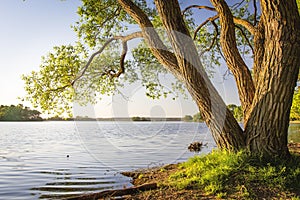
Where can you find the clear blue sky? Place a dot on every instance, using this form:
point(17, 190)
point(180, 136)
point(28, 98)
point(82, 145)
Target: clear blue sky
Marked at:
point(29, 29)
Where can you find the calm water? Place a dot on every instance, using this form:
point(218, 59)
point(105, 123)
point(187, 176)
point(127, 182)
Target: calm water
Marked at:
point(50, 160)
point(34, 162)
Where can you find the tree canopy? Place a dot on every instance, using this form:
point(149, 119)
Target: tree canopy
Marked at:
point(67, 74)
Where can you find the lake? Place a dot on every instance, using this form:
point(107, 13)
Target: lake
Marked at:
point(47, 160)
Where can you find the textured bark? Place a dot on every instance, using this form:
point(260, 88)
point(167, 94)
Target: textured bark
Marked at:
point(267, 127)
point(223, 126)
point(259, 50)
point(233, 58)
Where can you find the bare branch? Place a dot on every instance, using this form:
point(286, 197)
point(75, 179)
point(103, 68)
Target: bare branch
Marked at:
point(199, 7)
point(124, 39)
point(214, 39)
point(255, 12)
point(245, 24)
point(210, 19)
point(245, 37)
point(236, 20)
point(220, 51)
point(92, 58)
point(236, 5)
point(112, 73)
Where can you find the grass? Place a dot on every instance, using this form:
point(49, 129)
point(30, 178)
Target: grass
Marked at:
point(224, 174)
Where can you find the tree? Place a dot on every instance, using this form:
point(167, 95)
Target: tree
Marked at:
point(197, 117)
point(187, 118)
point(270, 34)
point(18, 113)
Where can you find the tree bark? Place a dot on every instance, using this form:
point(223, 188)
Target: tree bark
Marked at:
point(233, 58)
point(224, 128)
point(267, 127)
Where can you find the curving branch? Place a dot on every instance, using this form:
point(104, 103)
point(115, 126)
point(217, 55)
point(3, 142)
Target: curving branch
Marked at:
point(112, 73)
point(214, 39)
point(236, 20)
point(210, 19)
point(245, 24)
point(199, 7)
point(236, 5)
point(234, 61)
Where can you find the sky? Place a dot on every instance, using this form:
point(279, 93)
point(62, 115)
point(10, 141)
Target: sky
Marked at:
point(29, 30)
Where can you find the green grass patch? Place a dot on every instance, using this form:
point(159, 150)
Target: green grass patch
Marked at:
point(223, 173)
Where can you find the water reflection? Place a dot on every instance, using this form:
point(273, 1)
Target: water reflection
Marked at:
point(34, 164)
point(66, 183)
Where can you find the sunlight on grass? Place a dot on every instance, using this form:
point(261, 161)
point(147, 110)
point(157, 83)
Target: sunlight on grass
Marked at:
point(221, 172)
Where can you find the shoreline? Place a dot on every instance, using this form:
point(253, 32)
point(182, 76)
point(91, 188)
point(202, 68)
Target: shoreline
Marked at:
point(149, 183)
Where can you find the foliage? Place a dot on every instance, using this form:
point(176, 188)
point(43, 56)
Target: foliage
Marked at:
point(220, 172)
point(18, 113)
point(100, 20)
point(140, 118)
point(197, 117)
point(295, 110)
point(237, 111)
point(187, 118)
point(52, 88)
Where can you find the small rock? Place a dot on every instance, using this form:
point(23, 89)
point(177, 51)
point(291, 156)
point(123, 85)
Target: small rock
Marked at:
point(195, 146)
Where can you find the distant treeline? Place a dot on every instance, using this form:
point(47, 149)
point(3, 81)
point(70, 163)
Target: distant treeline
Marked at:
point(23, 113)
point(237, 112)
point(19, 113)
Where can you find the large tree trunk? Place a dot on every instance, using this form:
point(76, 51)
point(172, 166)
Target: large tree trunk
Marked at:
point(267, 127)
point(223, 126)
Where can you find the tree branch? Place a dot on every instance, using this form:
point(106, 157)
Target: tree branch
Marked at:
point(245, 24)
point(236, 20)
point(210, 19)
point(124, 39)
point(255, 12)
point(157, 47)
point(234, 60)
point(199, 7)
point(214, 39)
point(246, 38)
point(236, 5)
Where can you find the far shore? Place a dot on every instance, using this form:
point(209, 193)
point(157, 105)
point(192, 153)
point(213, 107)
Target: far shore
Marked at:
point(119, 119)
